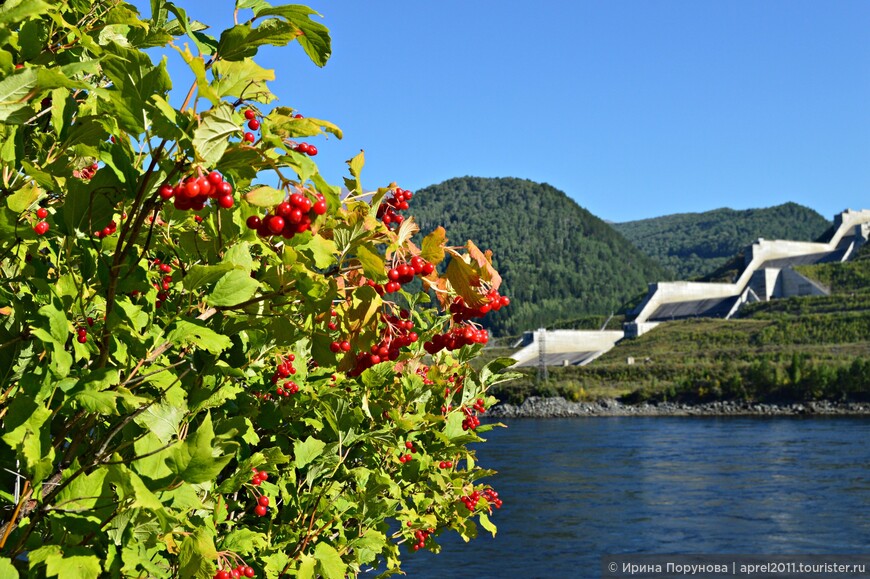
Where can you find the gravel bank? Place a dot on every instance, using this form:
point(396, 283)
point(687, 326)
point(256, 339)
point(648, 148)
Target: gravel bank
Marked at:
point(558, 407)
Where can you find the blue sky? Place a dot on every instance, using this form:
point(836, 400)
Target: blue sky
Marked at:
point(634, 109)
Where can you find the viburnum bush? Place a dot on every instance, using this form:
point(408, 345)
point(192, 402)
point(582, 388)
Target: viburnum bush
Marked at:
point(213, 364)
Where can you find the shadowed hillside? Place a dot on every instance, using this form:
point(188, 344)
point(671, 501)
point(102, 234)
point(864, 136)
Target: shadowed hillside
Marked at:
point(558, 260)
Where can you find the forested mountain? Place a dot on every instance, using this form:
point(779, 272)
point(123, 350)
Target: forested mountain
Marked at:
point(558, 261)
point(693, 244)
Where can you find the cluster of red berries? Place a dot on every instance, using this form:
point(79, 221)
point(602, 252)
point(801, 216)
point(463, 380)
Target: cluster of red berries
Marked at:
point(471, 420)
point(238, 571)
point(457, 337)
point(398, 201)
point(193, 192)
point(258, 477)
point(421, 535)
point(262, 506)
point(292, 216)
point(290, 388)
point(106, 231)
point(492, 498)
point(423, 372)
point(165, 282)
point(284, 368)
point(342, 346)
point(86, 173)
point(470, 501)
point(445, 464)
point(462, 312)
point(398, 333)
point(407, 457)
point(253, 124)
point(82, 335)
point(41, 226)
point(305, 148)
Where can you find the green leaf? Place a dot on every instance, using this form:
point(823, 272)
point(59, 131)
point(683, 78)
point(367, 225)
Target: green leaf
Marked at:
point(21, 200)
point(97, 402)
point(239, 256)
point(85, 491)
point(13, 11)
point(356, 165)
point(26, 425)
point(163, 420)
point(244, 541)
point(264, 196)
point(189, 333)
point(196, 554)
point(314, 36)
point(211, 138)
point(242, 77)
point(433, 246)
point(58, 325)
point(486, 523)
point(197, 65)
point(235, 287)
point(329, 562)
point(372, 263)
point(14, 90)
point(200, 275)
point(134, 80)
point(7, 570)
point(307, 451)
point(196, 461)
point(365, 303)
point(318, 249)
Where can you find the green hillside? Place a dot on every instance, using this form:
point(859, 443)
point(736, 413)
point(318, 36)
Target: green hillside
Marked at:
point(694, 244)
point(797, 349)
point(558, 261)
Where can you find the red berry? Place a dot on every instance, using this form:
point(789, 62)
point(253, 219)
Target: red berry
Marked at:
point(225, 201)
point(249, 137)
point(312, 150)
point(250, 114)
point(253, 222)
point(249, 571)
point(215, 178)
point(253, 124)
point(409, 444)
point(319, 207)
point(41, 227)
point(42, 213)
point(345, 346)
point(260, 510)
point(263, 501)
point(222, 575)
point(82, 338)
point(275, 224)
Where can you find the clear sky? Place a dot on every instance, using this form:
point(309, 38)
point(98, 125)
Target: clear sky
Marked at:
point(634, 109)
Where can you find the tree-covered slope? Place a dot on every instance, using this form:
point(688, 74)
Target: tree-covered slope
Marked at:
point(558, 261)
point(693, 244)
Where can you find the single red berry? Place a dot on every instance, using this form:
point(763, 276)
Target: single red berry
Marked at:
point(249, 137)
point(260, 510)
point(42, 213)
point(82, 338)
point(250, 114)
point(249, 571)
point(312, 150)
point(409, 444)
point(253, 222)
point(225, 201)
point(319, 207)
point(41, 227)
point(253, 124)
point(345, 346)
point(215, 178)
point(275, 224)
point(263, 501)
point(222, 574)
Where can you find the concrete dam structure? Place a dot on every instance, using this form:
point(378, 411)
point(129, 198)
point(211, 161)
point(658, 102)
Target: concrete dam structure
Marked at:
point(767, 273)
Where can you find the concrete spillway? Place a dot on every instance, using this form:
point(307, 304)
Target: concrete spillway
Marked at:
point(767, 274)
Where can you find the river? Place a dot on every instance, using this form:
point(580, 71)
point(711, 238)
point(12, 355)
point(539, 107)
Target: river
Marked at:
point(575, 489)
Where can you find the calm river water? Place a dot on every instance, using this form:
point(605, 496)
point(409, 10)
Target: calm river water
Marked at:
point(576, 489)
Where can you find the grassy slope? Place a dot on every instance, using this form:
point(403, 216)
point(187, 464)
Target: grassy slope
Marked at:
point(794, 349)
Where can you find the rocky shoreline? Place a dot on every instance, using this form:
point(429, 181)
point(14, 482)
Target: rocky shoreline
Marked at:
point(558, 407)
